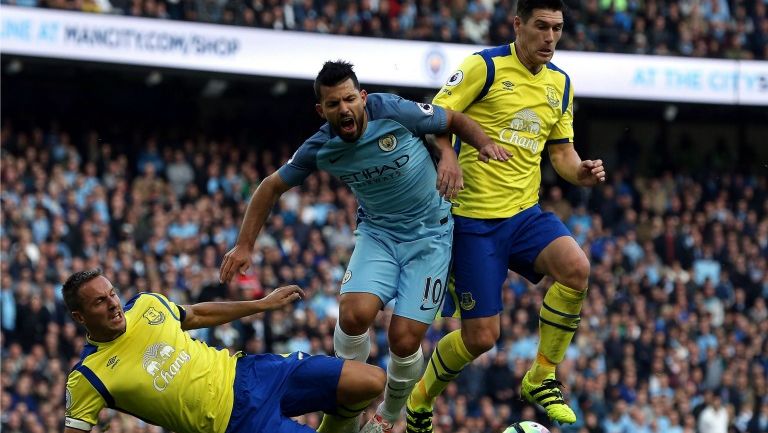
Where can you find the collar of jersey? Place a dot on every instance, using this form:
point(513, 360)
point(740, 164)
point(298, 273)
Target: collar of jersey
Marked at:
point(521, 66)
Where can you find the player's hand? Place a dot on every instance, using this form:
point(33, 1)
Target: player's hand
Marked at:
point(449, 178)
point(238, 259)
point(493, 151)
point(591, 172)
point(280, 297)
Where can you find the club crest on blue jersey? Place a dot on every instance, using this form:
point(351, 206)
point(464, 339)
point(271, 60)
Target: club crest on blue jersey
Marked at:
point(347, 276)
point(388, 143)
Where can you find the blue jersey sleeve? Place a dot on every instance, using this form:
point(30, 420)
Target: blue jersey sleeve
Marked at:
point(417, 117)
point(304, 160)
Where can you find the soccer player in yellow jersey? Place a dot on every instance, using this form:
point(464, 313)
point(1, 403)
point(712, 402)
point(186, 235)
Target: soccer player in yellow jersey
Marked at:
point(139, 360)
point(526, 104)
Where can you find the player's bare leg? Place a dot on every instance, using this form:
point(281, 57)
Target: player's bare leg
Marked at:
point(357, 311)
point(359, 383)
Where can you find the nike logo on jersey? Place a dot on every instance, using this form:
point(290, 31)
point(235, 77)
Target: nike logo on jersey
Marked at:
point(333, 160)
point(423, 308)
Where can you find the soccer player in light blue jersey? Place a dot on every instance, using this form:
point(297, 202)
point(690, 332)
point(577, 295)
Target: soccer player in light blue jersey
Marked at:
point(403, 239)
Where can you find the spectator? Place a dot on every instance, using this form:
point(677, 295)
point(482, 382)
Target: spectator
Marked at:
point(714, 417)
point(179, 173)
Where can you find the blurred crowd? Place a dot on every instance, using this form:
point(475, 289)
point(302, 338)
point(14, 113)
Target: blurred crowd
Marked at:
point(736, 29)
point(674, 337)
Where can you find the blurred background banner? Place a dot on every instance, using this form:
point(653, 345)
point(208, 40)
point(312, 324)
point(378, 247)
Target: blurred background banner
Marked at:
point(260, 52)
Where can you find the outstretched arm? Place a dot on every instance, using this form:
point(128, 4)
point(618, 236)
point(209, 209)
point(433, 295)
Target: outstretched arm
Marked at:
point(207, 314)
point(570, 167)
point(238, 259)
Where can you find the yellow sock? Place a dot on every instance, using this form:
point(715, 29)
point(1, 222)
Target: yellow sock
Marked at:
point(448, 359)
point(335, 424)
point(542, 367)
point(344, 420)
point(558, 321)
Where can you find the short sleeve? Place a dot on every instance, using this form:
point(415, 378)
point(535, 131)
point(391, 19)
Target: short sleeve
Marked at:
point(304, 160)
point(417, 117)
point(562, 131)
point(464, 85)
point(177, 312)
point(82, 403)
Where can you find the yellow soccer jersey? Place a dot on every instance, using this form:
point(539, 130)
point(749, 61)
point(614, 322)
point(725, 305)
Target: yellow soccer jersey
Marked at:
point(519, 110)
point(154, 371)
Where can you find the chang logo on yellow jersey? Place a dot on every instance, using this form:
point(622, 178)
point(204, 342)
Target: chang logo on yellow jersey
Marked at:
point(523, 131)
point(154, 362)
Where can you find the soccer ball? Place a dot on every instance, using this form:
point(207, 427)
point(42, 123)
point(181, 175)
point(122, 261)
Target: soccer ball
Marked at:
point(526, 427)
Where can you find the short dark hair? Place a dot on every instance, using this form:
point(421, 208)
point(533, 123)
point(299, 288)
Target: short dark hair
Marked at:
point(525, 7)
point(334, 73)
point(72, 286)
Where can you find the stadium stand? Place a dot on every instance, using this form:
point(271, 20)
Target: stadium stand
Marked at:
point(676, 335)
point(734, 29)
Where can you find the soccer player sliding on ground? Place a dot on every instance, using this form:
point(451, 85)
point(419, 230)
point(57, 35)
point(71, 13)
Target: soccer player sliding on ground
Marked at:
point(138, 359)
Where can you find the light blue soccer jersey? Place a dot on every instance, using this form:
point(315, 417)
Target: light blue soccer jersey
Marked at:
point(388, 169)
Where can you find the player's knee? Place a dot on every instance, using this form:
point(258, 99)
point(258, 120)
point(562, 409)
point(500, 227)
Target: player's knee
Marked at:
point(404, 345)
point(481, 340)
point(360, 382)
point(574, 273)
point(352, 321)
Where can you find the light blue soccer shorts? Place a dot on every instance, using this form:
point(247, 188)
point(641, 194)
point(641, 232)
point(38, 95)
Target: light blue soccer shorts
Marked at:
point(413, 274)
